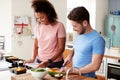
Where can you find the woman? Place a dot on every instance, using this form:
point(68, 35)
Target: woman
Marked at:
point(50, 36)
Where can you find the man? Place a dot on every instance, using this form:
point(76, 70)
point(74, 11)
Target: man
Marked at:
point(88, 49)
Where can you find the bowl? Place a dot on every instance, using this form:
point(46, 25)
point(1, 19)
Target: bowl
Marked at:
point(57, 75)
point(38, 73)
point(54, 72)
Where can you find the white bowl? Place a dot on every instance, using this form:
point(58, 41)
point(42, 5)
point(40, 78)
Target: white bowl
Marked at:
point(38, 75)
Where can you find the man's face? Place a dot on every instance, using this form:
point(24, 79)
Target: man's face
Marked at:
point(79, 28)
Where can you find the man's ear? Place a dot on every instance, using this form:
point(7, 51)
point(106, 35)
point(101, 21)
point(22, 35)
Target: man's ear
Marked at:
point(85, 23)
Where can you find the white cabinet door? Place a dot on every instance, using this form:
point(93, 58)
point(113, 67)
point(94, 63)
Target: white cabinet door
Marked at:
point(103, 68)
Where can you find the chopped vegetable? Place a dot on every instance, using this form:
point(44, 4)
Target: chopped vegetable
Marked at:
point(38, 70)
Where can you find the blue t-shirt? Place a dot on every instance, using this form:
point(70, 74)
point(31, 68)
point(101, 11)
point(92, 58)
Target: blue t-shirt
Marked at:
point(85, 46)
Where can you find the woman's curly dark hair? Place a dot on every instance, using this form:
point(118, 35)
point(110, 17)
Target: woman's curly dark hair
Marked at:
point(46, 7)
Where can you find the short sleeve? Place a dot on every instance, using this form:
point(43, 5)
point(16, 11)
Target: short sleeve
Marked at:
point(99, 45)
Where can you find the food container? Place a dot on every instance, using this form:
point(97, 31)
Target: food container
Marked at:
point(18, 70)
point(11, 59)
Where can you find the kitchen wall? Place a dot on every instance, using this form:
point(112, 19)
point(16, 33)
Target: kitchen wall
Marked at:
point(101, 12)
point(5, 22)
point(113, 5)
point(22, 46)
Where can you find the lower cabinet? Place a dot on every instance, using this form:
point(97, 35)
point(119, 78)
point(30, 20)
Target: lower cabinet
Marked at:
point(65, 54)
point(102, 72)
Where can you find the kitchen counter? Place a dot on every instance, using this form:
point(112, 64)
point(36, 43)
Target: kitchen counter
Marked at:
point(6, 75)
point(111, 54)
point(71, 77)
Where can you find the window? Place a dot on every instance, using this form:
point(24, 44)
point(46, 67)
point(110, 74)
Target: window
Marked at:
point(2, 43)
point(89, 4)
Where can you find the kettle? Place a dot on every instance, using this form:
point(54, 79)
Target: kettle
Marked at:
point(1, 56)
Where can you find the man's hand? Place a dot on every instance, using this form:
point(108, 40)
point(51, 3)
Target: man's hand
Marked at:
point(63, 69)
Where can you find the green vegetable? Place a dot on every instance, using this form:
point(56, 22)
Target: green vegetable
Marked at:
point(56, 73)
point(38, 70)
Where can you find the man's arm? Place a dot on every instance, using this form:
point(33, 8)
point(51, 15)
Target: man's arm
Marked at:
point(94, 65)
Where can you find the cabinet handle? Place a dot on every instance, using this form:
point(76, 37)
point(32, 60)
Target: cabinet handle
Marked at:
point(114, 66)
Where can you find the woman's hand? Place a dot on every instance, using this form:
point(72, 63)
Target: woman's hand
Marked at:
point(43, 64)
point(29, 61)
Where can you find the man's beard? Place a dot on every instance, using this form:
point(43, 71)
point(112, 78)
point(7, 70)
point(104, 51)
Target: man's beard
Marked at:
point(83, 31)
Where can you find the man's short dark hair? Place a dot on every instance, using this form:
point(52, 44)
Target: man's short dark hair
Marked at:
point(79, 14)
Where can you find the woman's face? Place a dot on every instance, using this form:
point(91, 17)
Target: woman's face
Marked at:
point(41, 18)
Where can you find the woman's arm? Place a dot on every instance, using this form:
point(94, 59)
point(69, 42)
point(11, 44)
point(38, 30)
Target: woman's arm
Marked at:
point(35, 52)
point(61, 48)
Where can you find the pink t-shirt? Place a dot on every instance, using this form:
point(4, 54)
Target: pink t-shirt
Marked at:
point(47, 36)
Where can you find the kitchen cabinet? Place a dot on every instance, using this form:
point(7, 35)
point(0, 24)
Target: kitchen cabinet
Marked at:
point(113, 65)
point(65, 54)
point(113, 69)
point(113, 6)
point(101, 73)
point(112, 27)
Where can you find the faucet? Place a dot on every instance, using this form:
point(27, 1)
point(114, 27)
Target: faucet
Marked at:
point(70, 69)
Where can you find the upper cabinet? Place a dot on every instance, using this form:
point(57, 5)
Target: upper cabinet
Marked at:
point(112, 27)
point(112, 23)
point(114, 7)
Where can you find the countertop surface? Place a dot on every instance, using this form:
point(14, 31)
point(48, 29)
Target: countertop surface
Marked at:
point(70, 77)
point(112, 54)
point(6, 75)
